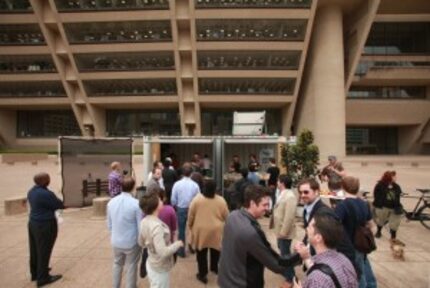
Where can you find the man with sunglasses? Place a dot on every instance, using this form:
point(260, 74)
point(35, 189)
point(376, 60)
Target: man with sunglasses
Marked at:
point(309, 191)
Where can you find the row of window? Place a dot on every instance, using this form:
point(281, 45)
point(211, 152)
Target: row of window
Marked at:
point(51, 123)
point(100, 5)
point(207, 86)
point(384, 38)
point(364, 66)
point(23, 6)
point(134, 61)
point(359, 140)
point(142, 87)
point(404, 92)
point(159, 31)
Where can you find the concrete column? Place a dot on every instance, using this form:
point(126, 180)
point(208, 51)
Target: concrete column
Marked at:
point(8, 129)
point(323, 106)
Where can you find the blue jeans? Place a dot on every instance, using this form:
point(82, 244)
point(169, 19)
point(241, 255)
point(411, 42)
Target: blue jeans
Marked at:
point(368, 272)
point(182, 223)
point(284, 246)
point(367, 278)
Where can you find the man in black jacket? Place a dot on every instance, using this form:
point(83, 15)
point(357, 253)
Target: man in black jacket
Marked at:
point(245, 249)
point(42, 229)
point(169, 177)
point(240, 185)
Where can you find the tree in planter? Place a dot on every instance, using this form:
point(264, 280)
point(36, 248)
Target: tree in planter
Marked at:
point(302, 158)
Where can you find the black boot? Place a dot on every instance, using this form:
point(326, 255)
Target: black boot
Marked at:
point(393, 234)
point(378, 232)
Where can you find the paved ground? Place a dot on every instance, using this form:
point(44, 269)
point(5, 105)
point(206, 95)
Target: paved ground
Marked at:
point(83, 254)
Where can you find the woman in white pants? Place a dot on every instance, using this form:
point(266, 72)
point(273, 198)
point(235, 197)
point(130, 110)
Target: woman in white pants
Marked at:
point(155, 236)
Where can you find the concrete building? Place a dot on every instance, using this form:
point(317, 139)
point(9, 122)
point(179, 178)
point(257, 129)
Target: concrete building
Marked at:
point(356, 72)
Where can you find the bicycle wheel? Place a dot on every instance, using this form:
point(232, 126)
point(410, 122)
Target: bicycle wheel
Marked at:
point(424, 214)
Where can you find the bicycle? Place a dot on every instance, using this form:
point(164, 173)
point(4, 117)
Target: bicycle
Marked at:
point(421, 211)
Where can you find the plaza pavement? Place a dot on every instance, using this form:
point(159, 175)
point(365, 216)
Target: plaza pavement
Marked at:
point(83, 254)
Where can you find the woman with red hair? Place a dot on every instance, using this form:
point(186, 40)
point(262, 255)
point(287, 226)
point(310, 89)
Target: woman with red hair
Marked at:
point(387, 204)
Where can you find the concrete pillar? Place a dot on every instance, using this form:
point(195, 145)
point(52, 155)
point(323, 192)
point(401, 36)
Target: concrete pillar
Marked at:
point(323, 106)
point(8, 128)
point(100, 206)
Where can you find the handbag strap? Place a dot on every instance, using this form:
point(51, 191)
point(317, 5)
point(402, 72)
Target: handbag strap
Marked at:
point(324, 268)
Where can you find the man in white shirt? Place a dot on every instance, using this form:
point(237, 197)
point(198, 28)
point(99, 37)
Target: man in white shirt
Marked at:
point(183, 192)
point(284, 216)
point(123, 218)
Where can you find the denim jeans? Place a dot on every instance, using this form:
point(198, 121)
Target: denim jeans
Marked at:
point(284, 246)
point(367, 278)
point(182, 223)
point(368, 272)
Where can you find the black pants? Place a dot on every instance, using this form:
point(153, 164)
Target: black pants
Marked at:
point(42, 236)
point(202, 261)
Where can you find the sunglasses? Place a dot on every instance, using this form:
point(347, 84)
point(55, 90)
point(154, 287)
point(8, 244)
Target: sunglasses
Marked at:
point(304, 192)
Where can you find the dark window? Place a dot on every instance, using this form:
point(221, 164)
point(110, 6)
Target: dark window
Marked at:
point(405, 92)
point(118, 32)
point(251, 86)
point(26, 64)
point(252, 4)
point(398, 38)
point(372, 140)
point(103, 5)
point(21, 34)
point(32, 89)
point(15, 6)
point(131, 87)
point(220, 122)
point(138, 122)
point(48, 123)
point(251, 60)
point(126, 61)
point(364, 66)
point(255, 30)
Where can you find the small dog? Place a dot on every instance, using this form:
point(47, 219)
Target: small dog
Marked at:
point(397, 250)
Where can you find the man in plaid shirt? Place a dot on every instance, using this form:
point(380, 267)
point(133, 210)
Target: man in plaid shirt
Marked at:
point(324, 233)
point(115, 179)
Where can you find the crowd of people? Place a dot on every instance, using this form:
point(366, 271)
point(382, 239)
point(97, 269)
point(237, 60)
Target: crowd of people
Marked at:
point(184, 213)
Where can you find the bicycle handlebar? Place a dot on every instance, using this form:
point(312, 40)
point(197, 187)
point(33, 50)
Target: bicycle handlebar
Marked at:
point(423, 190)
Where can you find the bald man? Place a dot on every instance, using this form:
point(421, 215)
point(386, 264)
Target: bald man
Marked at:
point(42, 228)
point(115, 179)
